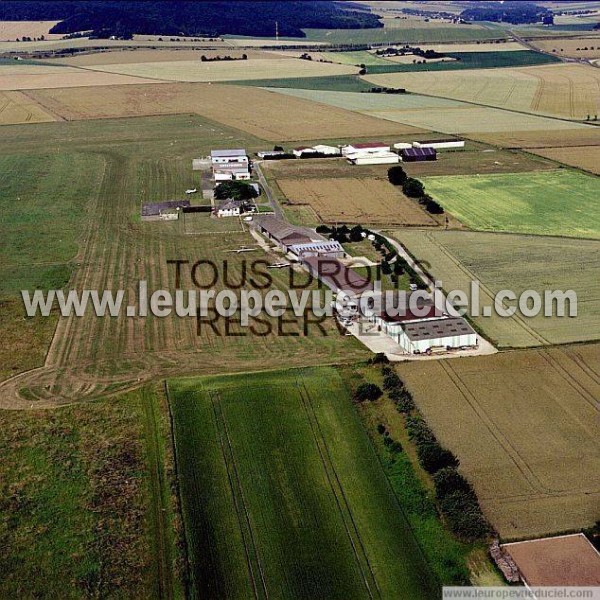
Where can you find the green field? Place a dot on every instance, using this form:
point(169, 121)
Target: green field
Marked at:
point(358, 57)
point(339, 83)
point(283, 495)
point(85, 507)
point(412, 35)
point(517, 263)
point(558, 202)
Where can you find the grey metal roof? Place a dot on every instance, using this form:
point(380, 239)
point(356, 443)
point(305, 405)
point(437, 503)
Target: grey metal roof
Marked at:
point(156, 208)
point(289, 234)
point(437, 328)
point(325, 246)
point(226, 153)
point(337, 276)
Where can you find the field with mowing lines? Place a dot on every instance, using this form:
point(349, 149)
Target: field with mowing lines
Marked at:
point(128, 162)
point(437, 114)
point(355, 200)
point(253, 68)
point(11, 30)
point(557, 202)
point(280, 482)
point(259, 112)
point(16, 107)
point(524, 427)
point(582, 157)
point(517, 263)
point(568, 91)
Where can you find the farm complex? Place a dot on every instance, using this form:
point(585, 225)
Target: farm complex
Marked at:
point(298, 300)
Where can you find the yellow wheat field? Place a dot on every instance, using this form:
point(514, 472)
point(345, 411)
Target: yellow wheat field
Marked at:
point(571, 91)
point(582, 157)
point(253, 68)
point(11, 30)
point(16, 107)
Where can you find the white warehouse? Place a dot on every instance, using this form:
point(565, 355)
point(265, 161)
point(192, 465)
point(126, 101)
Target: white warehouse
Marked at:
point(381, 158)
point(440, 144)
point(423, 335)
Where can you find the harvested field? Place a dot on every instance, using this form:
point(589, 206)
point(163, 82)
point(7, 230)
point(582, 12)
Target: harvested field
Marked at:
point(141, 55)
point(545, 138)
point(65, 78)
point(576, 48)
point(524, 427)
point(567, 560)
point(355, 200)
point(582, 157)
point(559, 202)
point(294, 501)
point(438, 114)
point(16, 107)
point(254, 68)
point(517, 263)
point(569, 91)
point(259, 112)
point(483, 46)
point(11, 30)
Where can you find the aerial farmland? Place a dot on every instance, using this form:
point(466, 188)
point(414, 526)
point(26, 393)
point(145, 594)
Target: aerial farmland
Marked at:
point(211, 212)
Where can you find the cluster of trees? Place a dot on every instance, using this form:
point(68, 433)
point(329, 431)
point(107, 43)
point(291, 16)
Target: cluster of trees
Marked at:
point(204, 58)
point(413, 188)
point(416, 50)
point(367, 392)
point(182, 18)
point(517, 13)
point(385, 90)
point(26, 38)
point(236, 190)
point(394, 446)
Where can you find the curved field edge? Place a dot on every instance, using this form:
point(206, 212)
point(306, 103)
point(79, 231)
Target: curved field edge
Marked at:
point(264, 457)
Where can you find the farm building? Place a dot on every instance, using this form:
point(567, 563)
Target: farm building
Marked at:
point(301, 150)
point(336, 276)
point(440, 144)
point(565, 560)
point(418, 154)
point(269, 153)
point(417, 335)
point(286, 235)
point(328, 150)
point(365, 148)
point(327, 249)
point(229, 208)
point(230, 165)
point(381, 158)
point(163, 211)
point(402, 146)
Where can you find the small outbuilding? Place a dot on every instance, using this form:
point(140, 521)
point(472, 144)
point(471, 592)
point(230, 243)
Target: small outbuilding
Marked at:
point(446, 144)
point(418, 154)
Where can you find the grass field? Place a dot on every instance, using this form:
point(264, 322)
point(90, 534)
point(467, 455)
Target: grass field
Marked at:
point(518, 263)
point(280, 481)
point(253, 68)
point(549, 203)
point(523, 425)
point(16, 107)
point(439, 114)
point(127, 162)
point(568, 91)
point(259, 112)
point(582, 157)
point(83, 510)
point(355, 200)
point(340, 83)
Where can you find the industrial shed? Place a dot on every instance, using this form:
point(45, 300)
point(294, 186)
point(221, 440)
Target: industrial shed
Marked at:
point(163, 211)
point(440, 144)
point(286, 235)
point(418, 154)
point(381, 158)
point(326, 249)
point(337, 276)
point(420, 335)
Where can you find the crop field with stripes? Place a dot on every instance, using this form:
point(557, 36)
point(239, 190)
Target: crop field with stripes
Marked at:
point(524, 427)
point(283, 495)
point(519, 263)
